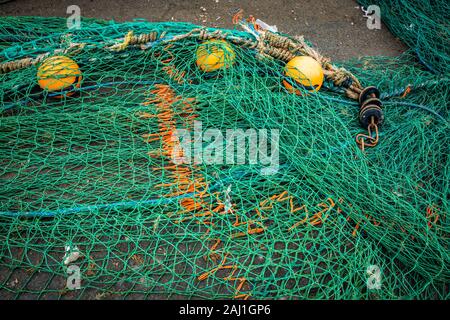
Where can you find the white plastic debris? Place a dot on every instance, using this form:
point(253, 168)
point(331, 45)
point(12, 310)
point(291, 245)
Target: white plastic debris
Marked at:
point(72, 254)
point(265, 26)
point(398, 194)
point(156, 223)
point(228, 203)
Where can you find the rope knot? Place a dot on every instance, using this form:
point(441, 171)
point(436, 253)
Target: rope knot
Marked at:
point(126, 41)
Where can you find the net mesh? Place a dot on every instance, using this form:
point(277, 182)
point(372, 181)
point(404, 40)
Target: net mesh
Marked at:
point(87, 178)
point(423, 26)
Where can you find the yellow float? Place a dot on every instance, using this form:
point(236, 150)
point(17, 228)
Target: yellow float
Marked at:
point(305, 71)
point(213, 55)
point(59, 73)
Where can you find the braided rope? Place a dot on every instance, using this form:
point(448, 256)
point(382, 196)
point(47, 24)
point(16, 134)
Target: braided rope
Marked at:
point(269, 44)
point(27, 62)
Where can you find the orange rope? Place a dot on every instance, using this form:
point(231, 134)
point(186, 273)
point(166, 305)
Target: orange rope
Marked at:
point(432, 212)
point(238, 16)
point(183, 177)
point(407, 90)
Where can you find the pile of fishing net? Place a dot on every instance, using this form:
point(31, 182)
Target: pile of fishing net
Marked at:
point(423, 25)
point(87, 179)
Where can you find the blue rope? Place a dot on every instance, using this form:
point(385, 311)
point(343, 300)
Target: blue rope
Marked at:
point(122, 204)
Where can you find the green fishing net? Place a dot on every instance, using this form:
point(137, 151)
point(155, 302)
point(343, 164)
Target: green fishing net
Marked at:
point(87, 180)
point(423, 25)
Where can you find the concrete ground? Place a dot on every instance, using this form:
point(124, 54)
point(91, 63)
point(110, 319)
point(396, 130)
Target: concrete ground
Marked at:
point(336, 27)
